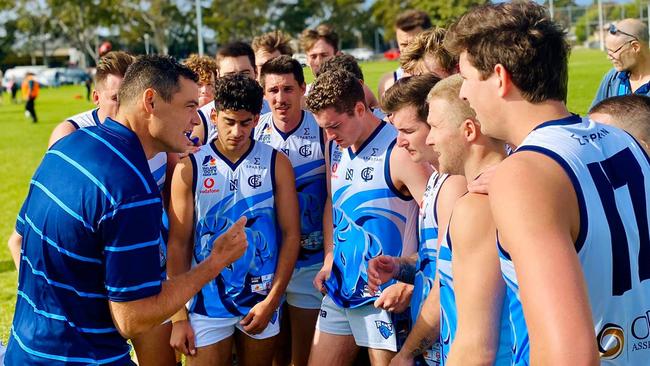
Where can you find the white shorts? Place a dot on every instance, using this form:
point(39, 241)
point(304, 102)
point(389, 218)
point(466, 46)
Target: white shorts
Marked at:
point(370, 327)
point(301, 292)
point(208, 331)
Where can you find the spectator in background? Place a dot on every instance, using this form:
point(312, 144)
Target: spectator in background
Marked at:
point(320, 45)
point(13, 88)
point(206, 68)
point(269, 46)
point(425, 54)
point(30, 89)
point(626, 44)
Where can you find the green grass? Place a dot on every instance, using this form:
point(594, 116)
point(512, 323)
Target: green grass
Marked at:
point(22, 145)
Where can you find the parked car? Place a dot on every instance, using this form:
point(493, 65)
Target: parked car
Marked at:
point(50, 77)
point(361, 54)
point(73, 75)
point(392, 54)
point(18, 73)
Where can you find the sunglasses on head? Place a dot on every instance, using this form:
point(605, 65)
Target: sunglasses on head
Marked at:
point(613, 30)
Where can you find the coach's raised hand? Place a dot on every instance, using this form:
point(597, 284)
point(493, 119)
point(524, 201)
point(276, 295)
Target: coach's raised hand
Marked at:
point(231, 245)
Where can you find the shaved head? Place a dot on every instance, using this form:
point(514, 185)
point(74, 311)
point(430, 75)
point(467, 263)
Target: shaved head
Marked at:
point(636, 28)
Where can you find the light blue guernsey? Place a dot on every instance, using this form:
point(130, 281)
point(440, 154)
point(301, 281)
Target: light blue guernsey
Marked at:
point(611, 177)
point(91, 234)
point(427, 255)
point(449, 312)
point(370, 216)
point(224, 192)
point(85, 119)
point(209, 128)
point(304, 147)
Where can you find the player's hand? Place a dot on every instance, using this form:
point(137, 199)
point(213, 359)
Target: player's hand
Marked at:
point(231, 245)
point(321, 277)
point(258, 317)
point(480, 185)
point(182, 338)
point(381, 270)
point(401, 360)
point(395, 298)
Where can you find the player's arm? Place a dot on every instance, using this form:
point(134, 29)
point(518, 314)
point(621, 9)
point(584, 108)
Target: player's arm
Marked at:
point(540, 240)
point(288, 214)
point(385, 82)
point(172, 160)
point(62, 130)
point(328, 228)
point(14, 244)
point(425, 331)
point(181, 219)
point(478, 285)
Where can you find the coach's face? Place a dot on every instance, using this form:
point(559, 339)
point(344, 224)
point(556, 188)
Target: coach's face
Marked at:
point(445, 138)
point(284, 95)
point(342, 128)
point(105, 95)
point(621, 51)
point(234, 128)
point(412, 134)
point(483, 96)
point(173, 121)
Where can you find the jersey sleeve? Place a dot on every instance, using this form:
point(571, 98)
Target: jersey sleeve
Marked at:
point(603, 87)
point(20, 219)
point(132, 240)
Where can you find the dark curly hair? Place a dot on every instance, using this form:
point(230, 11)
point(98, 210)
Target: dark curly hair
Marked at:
point(161, 73)
point(342, 61)
point(520, 36)
point(336, 89)
point(238, 92)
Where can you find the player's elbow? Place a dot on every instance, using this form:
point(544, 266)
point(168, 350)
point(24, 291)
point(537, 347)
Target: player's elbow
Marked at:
point(130, 327)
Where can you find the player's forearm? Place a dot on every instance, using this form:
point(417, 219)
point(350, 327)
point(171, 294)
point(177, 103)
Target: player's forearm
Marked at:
point(134, 317)
point(328, 237)
point(179, 257)
point(14, 243)
point(284, 269)
point(424, 334)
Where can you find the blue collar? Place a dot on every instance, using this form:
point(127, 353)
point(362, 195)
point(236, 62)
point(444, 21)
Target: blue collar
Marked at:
point(119, 130)
point(625, 87)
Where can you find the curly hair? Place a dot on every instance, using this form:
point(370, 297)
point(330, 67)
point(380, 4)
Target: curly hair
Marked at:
point(520, 36)
point(161, 73)
point(309, 37)
point(342, 61)
point(238, 92)
point(281, 65)
point(410, 91)
point(336, 89)
point(429, 42)
point(204, 66)
point(273, 41)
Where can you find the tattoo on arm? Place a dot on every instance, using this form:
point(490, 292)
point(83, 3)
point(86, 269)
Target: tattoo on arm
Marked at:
point(406, 273)
point(425, 343)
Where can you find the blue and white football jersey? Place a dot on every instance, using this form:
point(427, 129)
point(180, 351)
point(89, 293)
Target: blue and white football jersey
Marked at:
point(85, 119)
point(449, 311)
point(210, 129)
point(304, 147)
point(223, 192)
point(427, 255)
point(370, 216)
point(611, 177)
point(158, 168)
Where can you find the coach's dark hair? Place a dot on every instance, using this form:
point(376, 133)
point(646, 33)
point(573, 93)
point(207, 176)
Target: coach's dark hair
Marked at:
point(410, 91)
point(238, 92)
point(342, 61)
point(160, 73)
point(520, 36)
point(336, 89)
point(412, 19)
point(280, 65)
point(628, 112)
point(236, 49)
point(113, 63)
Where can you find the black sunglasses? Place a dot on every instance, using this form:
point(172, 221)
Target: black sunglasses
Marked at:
point(613, 30)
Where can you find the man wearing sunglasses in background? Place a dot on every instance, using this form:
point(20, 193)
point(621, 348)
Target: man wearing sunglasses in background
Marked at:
point(626, 44)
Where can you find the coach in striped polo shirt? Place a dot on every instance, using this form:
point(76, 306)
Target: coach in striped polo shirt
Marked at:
point(90, 226)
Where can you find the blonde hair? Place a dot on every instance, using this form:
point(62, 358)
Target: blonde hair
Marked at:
point(448, 89)
point(426, 43)
point(273, 41)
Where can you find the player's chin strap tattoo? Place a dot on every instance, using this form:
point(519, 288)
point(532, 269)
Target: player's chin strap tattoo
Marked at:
point(425, 344)
point(406, 272)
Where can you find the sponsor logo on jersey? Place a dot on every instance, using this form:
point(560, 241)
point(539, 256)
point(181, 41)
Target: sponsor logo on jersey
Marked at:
point(323, 313)
point(385, 329)
point(586, 139)
point(366, 173)
point(640, 331)
point(349, 174)
point(208, 186)
point(306, 131)
point(305, 150)
point(255, 181)
point(285, 150)
point(611, 341)
point(209, 165)
point(233, 184)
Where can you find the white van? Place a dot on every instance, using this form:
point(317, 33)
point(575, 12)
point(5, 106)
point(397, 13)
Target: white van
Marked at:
point(18, 73)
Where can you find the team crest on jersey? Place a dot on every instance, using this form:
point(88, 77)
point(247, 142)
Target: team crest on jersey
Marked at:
point(209, 165)
point(366, 173)
point(255, 181)
point(385, 329)
point(305, 150)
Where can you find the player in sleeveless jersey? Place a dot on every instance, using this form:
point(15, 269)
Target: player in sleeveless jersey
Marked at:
point(570, 204)
point(151, 348)
point(295, 133)
point(234, 176)
point(371, 187)
point(406, 101)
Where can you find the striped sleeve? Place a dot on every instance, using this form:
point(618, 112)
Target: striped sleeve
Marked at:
point(132, 241)
point(20, 219)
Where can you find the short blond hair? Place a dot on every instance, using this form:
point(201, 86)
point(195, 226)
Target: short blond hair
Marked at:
point(448, 90)
point(273, 41)
point(205, 67)
point(426, 43)
point(309, 37)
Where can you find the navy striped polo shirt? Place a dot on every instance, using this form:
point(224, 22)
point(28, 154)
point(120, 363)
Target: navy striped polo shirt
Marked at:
point(91, 234)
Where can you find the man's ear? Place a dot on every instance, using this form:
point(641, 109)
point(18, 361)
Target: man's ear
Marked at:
point(148, 97)
point(504, 80)
point(470, 129)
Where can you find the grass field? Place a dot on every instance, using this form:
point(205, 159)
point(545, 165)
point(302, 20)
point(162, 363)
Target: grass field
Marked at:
point(22, 145)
